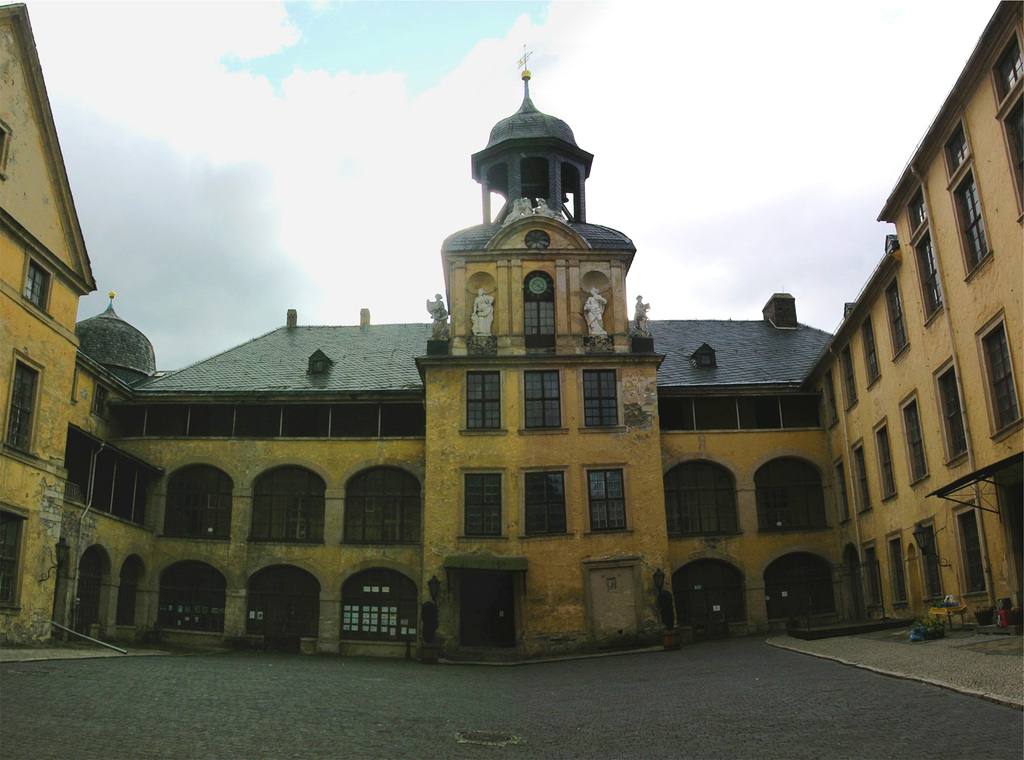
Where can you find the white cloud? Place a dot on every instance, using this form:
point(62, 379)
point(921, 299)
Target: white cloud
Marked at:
point(744, 147)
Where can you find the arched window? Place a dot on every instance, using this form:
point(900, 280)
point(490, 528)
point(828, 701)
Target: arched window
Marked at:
point(706, 587)
point(192, 596)
point(539, 310)
point(288, 505)
point(198, 503)
point(379, 604)
point(797, 585)
point(699, 498)
point(382, 505)
point(127, 590)
point(284, 601)
point(789, 496)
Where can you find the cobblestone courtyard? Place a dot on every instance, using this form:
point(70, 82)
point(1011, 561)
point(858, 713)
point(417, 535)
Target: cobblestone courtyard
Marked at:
point(729, 699)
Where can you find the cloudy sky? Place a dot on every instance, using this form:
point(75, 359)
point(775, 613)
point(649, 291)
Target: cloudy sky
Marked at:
point(231, 161)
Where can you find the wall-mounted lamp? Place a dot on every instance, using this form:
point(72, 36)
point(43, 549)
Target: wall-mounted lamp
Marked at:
point(925, 540)
point(434, 586)
point(63, 549)
point(659, 579)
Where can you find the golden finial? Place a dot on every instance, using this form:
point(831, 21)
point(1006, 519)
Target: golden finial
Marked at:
point(111, 295)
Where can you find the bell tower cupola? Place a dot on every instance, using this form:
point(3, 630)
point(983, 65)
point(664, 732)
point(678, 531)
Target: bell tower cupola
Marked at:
point(535, 156)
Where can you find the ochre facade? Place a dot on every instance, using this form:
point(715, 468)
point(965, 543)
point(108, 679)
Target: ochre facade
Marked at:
point(540, 459)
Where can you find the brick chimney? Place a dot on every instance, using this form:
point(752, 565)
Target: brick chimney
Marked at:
point(292, 319)
point(780, 311)
point(364, 319)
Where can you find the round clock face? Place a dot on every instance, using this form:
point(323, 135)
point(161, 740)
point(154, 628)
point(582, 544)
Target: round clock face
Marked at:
point(537, 239)
point(537, 285)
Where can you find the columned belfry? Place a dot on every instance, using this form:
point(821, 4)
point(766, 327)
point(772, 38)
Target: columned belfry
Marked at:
point(535, 156)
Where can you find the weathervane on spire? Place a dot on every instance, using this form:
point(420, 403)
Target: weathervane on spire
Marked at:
point(523, 61)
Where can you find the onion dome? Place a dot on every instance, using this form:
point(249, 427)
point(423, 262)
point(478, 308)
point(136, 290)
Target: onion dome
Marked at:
point(121, 348)
point(528, 124)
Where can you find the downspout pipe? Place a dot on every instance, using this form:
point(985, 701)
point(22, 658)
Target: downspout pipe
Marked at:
point(78, 539)
point(850, 490)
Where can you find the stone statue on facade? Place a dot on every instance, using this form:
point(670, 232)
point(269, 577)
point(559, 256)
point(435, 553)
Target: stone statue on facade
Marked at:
point(593, 311)
point(543, 210)
point(521, 208)
point(483, 313)
point(641, 325)
point(440, 316)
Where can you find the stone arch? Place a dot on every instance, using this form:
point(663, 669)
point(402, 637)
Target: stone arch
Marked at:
point(383, 505)
point(198, 502)
point(709, 590)
point(790, 495)
point(288, 504)
point(93, 588)
point(798, 585)
point(700, 498)
point(379, 603)
point(131, 579)
point(283, 606)
point(192, 596)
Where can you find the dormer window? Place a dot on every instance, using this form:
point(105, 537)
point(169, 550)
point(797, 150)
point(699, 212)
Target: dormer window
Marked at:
point(319, 363)
point(704, 357)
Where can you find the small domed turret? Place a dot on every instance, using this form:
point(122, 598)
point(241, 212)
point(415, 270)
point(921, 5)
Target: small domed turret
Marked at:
point(121, 348)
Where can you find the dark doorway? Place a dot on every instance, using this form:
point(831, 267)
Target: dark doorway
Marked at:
point(487, 609)
point(284, 606)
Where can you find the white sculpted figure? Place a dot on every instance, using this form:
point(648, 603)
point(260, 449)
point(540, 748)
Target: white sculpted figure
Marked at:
point(483, 313)
point(543, 210)
point(640, 322)
point(593, 310)
point(440, 315)
point(520, 207)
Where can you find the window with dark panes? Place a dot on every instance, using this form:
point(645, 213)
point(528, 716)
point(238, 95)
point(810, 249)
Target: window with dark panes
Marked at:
point(37, 284)
point(799, 411)
point(258, 421)
point(860, 467)
point(539, 310)
point(675, 413)
point(715, 413)
point(198, 503)
point(600, 404)
point(700, 497)
point(383, 505)
point(1009, 69)
point(706, 588)
point(305, 420)
point(949, 398)
point(288, 505)
point(167, 420)
point(542, 399)
point(403, 420)
point(544, 503)
point(211, 420)
point(789, 495)
point(1000, 377)
point(915, 441)
point(870, 355)
point(379, 605)
point(100, 395)
point(483, 504)
point(849, 376)
point(956, 148)
point(973, 225)
point(10, 532)
point(192, 597)
point(1014, 126)
point(873, 579)
point(929, 275)
point(974, 572)
point(355, 420)
point(899, 578)
point(918, 213)
point(885, 462)
point(897, 325)
point(755, 412)
point(23, 396)
point(483, 400)
point(607, 500)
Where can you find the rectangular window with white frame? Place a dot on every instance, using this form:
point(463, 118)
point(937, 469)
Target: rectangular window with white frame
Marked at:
point(600, 398)
point(970, 547)
point(860, 472)
point(896, 571)
point(971, 223)
point(607, 500)
point(849, 376)
point(542, 399)
point(931, 294)
point(483, 504)
point(10, 534)
point(831, 409)
point(37, 285)
point(483, 400)
point(867, 332)
point(844, 498)
point(544, 503)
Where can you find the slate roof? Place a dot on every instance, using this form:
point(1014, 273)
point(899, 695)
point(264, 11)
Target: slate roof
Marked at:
point(747, 352)
point(476, 238)
point(379, 358)
point(529, 124)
